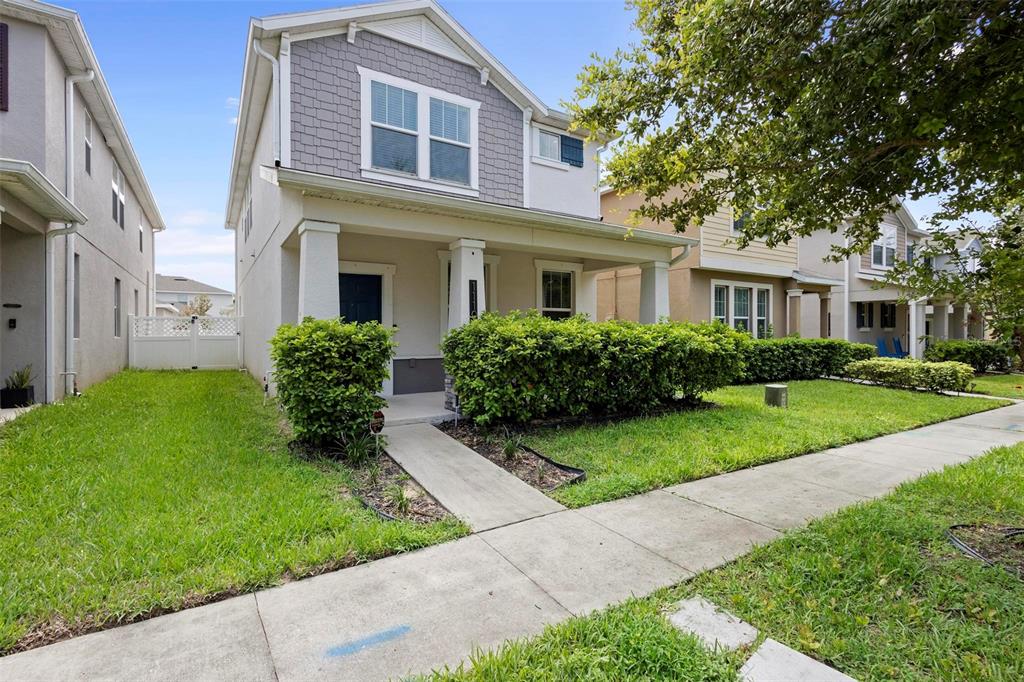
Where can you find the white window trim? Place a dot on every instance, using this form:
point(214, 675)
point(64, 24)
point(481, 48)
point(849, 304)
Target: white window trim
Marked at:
point(730, 302)
point(881, 241)
point(87, 134)
point(422, 179)
point(543, 266)
point(444, 259)
point(387, 300)
point(117, 185)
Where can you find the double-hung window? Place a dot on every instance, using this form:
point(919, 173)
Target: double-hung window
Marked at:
point(743, 306)
point(417, 135)
point(556, 288)
point(117, 307)
point(883, 250)
point(738, 222)
point(394, 118)
point(721, 303)
point(865, 315)
point(910, 252)
point(888, 314)
point(449, 141)
point(117, 196)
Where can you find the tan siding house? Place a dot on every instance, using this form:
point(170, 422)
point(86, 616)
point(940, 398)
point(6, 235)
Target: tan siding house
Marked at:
point(759, 289)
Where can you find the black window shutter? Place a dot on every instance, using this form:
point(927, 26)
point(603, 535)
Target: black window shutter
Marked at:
point(572, 151)
point(4, 68)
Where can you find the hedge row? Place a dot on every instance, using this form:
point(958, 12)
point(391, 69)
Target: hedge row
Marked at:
point(792, 358)
point(981, 355)
point(910, 373)
point(520, 366)
point(328, 376)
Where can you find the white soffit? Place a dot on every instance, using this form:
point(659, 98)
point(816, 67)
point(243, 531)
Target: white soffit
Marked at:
point(421, 32)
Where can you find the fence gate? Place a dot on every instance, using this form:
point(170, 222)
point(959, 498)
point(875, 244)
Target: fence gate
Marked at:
point(185, 342)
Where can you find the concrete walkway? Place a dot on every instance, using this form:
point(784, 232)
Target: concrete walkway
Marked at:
point(417, 611)
point(469, 486)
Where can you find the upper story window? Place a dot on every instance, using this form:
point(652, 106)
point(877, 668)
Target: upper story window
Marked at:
point(449, 141)
point(142, 234)
point(883, 250)
point(88, 144)
point(394, 117)
point(418, 136)
point(117, 196)
point(738, 223)
point(247, 212)
point(4, 68)
point(548, 146)
point(910, 252)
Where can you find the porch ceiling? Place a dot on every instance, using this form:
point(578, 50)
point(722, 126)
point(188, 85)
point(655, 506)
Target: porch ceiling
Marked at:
point(505, 226)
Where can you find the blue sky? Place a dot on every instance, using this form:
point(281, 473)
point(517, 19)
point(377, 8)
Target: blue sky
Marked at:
point(175, 68)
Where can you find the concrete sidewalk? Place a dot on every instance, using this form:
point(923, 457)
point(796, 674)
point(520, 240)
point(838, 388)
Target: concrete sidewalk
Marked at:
point(414, 612)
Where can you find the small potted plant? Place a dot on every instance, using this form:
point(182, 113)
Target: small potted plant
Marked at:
point(18, 390)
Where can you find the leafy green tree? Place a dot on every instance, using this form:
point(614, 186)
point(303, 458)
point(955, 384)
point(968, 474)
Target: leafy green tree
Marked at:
point(808, 112)
point(990, 279)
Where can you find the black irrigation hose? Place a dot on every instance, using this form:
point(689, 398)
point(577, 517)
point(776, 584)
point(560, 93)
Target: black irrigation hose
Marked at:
point(975, 554)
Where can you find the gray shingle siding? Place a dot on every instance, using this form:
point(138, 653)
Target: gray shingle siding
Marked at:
point(325, 108)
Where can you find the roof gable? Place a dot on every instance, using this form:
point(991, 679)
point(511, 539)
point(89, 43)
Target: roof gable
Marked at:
point(421, 32)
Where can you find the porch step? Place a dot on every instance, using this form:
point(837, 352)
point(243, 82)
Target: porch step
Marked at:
point(480, 493)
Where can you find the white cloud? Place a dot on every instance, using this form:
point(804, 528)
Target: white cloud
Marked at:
point(231, 103)
point(198, 217)
point(195, 242)
point(233, 120)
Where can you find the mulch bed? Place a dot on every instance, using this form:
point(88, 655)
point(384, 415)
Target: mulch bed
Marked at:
point(378, 485)
point(995, 545)
point(524, 464)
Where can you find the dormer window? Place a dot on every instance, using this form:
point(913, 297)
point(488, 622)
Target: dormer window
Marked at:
point(418, 136)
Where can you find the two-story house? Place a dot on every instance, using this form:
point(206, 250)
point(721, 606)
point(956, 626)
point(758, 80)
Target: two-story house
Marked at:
point(76, 214)
point(764, 291)
point(173, 293)
point(387, 167)
point(866, 310)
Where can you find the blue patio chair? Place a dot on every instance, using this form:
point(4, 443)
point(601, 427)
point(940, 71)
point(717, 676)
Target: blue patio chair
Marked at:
point(898, 345)
point(883, 348)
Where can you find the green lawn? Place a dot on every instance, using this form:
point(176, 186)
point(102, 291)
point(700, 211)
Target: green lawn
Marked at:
point(875, 591)
point(629, 457)
point(156, 490)
point(1005, 385)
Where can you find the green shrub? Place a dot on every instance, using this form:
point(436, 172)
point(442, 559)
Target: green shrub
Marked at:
point(910, 373)
point(792, 358)
point(981, 355)
point(520, 367)
point(328, 375)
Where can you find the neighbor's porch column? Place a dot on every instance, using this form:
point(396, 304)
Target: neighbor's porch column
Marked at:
point(318, 269)
point(958, 321)
point(586, 295)
point(825, 311)
point(916, 328)
point(793, 298)
point(466, 297)
point(653, 292)
point(940, 321)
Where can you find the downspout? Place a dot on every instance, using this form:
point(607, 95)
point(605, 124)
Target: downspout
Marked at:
point(68, 232)
point(275, 106)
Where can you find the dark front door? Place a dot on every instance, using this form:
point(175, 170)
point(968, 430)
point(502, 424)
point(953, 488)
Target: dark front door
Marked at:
point(360, 297)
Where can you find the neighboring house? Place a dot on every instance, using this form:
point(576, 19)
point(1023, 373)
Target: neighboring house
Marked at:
point(174, 292)
point(387, 167)
point(867, 312)
point(76, 215)
point(760, 290)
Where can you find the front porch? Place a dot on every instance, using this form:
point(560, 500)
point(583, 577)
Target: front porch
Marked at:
point(417, 408)
point(424, 268)
point(884, 320)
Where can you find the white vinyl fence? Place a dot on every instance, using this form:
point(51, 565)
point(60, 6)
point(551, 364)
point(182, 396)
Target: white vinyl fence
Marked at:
point(185, 342)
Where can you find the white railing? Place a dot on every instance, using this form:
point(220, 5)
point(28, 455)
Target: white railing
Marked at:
point(185, 342)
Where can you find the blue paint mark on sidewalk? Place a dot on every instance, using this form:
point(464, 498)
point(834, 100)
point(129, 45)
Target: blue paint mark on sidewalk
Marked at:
point(349, 648)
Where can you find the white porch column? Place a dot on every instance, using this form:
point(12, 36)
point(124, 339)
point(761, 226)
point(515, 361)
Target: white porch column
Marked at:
point(793, 298)
point(825, 323)
point(940, 321)
point(586, 295)
point(654, 303)
point(916, 328)
point(467, 267)
point(318, 270)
